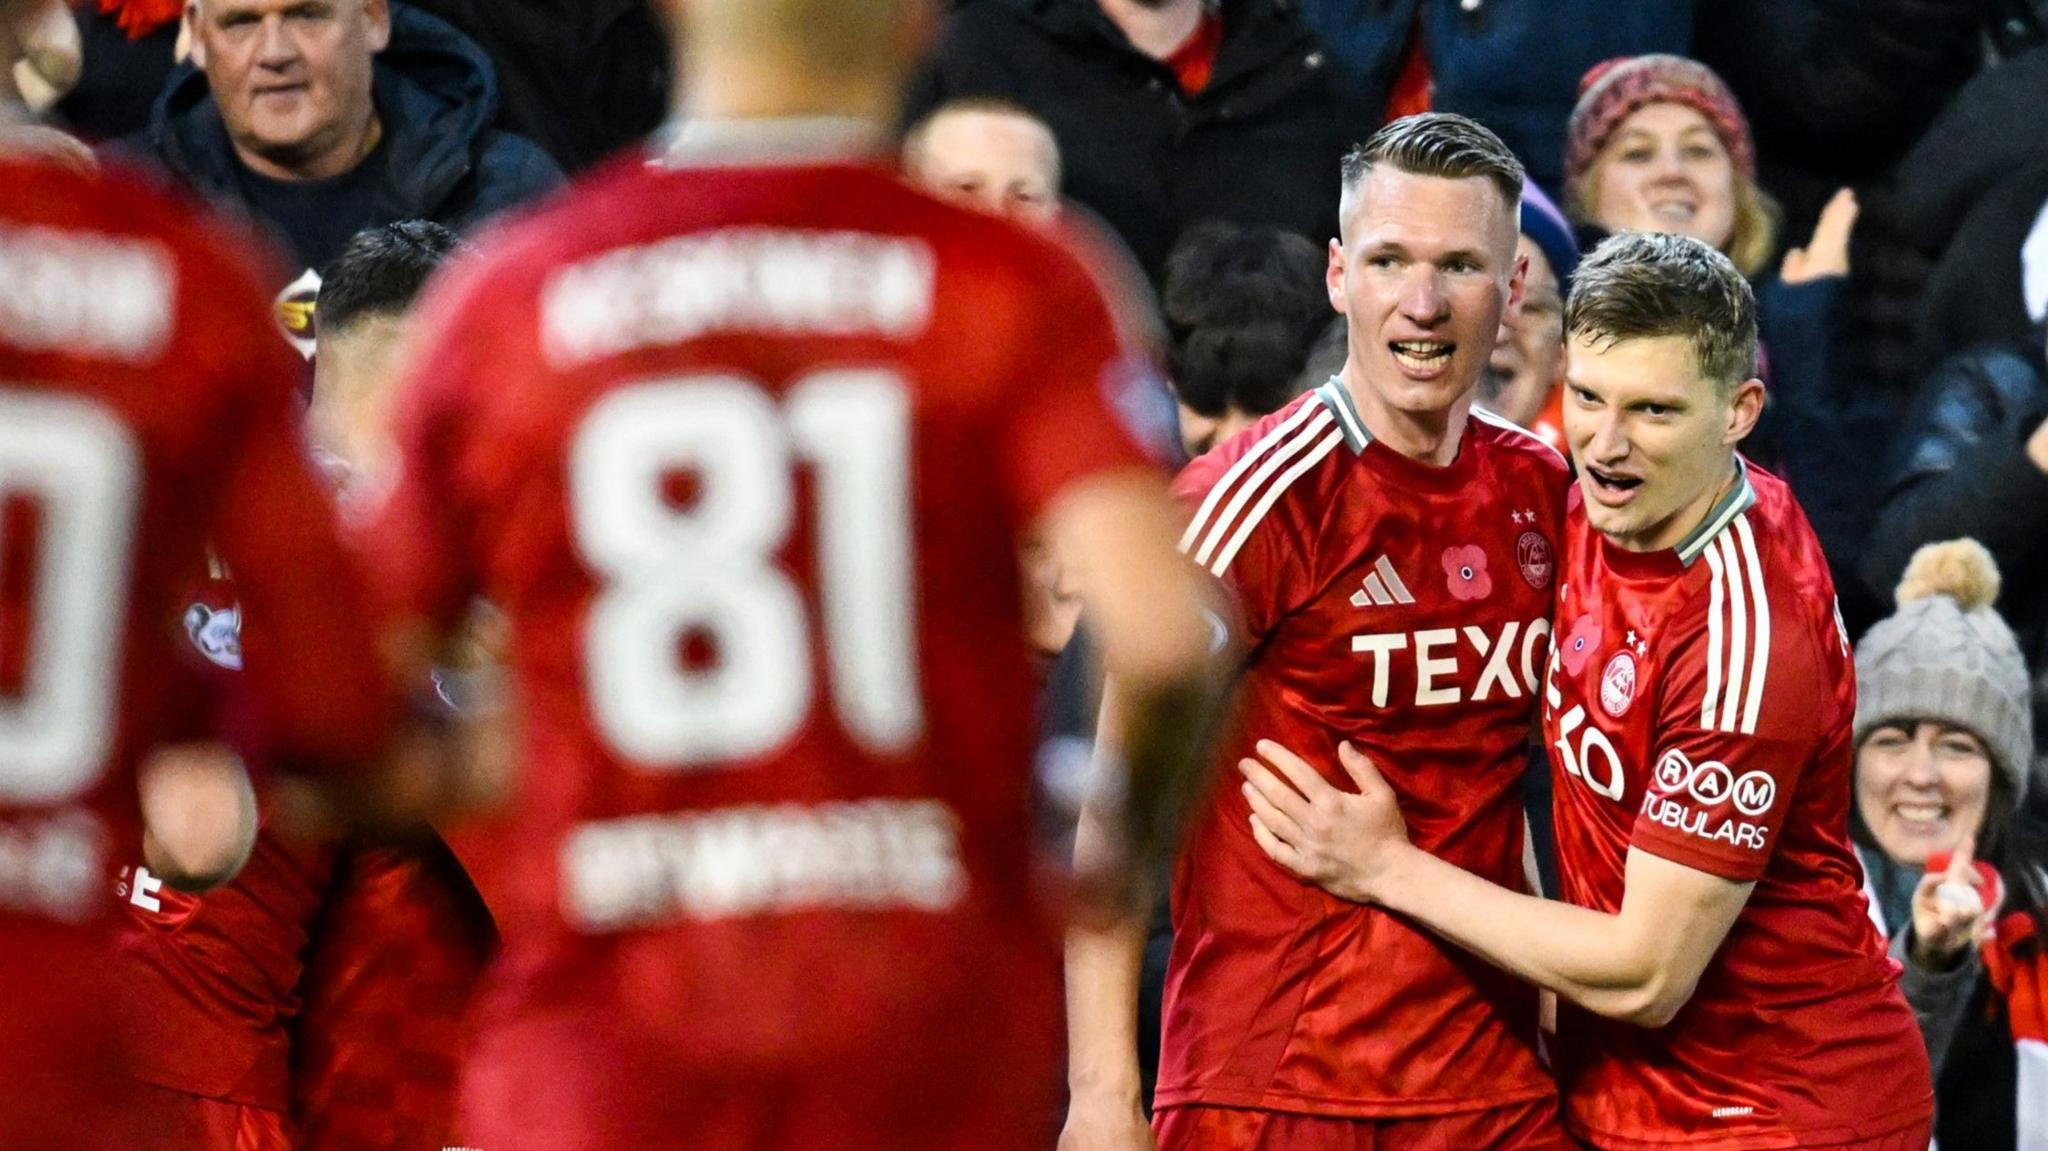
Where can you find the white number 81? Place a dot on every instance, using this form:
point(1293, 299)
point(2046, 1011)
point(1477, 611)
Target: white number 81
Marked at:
point(709, 568)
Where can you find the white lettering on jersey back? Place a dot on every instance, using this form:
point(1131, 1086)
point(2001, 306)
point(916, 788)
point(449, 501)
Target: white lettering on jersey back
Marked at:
point(1440, 662)
point(742, 861)
point(766, 280)
point(90, 295)
point(52, 865)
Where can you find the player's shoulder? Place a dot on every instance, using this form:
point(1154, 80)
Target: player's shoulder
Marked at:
point(1519, 447)
point(1762, 601)
point(128, 271)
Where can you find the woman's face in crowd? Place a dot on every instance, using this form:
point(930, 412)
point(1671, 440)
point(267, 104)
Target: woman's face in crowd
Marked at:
point(1920, 787)
point(1666, 170)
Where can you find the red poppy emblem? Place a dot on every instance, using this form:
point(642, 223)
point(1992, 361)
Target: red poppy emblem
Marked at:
point(1465, 571)
point(1580, 643)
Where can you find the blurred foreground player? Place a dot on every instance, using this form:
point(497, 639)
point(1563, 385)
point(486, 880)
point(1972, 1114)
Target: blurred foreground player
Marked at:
point(741, 438)
point(316, 1000)
point(146, 408)
point(1720, 984)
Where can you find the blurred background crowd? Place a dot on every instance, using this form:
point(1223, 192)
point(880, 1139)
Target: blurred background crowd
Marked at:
point(1873, 166)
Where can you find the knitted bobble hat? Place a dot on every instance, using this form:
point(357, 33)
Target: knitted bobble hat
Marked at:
point(1612, 90)
point(1946, 656)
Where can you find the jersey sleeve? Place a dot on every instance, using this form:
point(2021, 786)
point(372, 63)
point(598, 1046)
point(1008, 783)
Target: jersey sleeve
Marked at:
point(310, 634)
point(1242, 550)
point(1087, 382)
point(1743, 710)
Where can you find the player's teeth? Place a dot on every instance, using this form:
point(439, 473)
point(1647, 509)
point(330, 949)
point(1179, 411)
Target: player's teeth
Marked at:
point(1421, 355)
point(1920, 812)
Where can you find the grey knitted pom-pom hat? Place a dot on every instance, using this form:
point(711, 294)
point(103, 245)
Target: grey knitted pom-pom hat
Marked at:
point(1947, 656)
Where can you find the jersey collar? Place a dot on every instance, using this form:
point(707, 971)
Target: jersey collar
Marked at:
point(1337, 398)
point(1738, 500)
point(706, 142)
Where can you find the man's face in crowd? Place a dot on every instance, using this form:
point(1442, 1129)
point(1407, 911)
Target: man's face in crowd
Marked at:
point(353, 373)
point(998, 162)
point(291, 77)
point(1666, 170)
point(1424, 275)
point(1528, 360)
point(1653, 439)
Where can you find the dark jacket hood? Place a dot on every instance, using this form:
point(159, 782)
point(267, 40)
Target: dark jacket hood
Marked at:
point(436, 94)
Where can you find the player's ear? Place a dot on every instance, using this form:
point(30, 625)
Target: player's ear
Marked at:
point(1745, 407)
point(1333, 277)
point(1518, 289)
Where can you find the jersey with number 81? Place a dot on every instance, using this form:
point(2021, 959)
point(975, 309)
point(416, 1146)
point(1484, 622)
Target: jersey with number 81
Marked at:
point(744, 454)
point(1697, 707)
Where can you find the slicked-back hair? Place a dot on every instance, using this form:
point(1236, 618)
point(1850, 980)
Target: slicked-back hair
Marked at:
point(1643, 285)
point(1441, 144)
point(381, 271)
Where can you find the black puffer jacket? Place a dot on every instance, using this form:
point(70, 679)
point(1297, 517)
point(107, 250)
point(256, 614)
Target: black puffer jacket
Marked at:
point(1260, 145)
point(436, 94)
point(1960, 468)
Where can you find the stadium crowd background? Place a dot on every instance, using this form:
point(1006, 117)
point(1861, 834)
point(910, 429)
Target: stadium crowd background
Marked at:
point(1874, 167)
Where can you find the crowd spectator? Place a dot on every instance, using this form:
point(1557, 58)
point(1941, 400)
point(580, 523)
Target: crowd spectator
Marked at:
point(1510, 64)
point(1943, 752)
point(1658, 143)
point(1971, 193)
point(988, 152)
point(326, 122)
point(129, 48)
point(1167, 113)
point(1244, 306)
point(1972, 458)
point(581, 78)
point(1524, 381)
point(996, 156)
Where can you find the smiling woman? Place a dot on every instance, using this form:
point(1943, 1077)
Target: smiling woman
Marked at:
point(1955, 869)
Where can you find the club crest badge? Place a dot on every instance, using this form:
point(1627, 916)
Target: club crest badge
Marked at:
point(1618, 684)
point(1533, 556)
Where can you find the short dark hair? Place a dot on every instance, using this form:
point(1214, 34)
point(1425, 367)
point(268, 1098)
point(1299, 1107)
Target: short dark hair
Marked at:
point(1243, 306)
point(381, 271)
point(1437, 144)
point(1642, 285)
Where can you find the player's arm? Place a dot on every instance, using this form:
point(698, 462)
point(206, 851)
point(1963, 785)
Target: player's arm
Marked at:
point(1639, 965)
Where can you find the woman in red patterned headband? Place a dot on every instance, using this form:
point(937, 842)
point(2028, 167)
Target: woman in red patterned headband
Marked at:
point(1658, 144)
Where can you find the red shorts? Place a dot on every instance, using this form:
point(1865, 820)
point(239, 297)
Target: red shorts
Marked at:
point(1531, 1126)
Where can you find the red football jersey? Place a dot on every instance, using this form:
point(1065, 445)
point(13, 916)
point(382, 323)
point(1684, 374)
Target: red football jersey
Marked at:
point(1407, 609)
point(213, 981)
point(146, 408)
point(1699, 708)
point(743, 451)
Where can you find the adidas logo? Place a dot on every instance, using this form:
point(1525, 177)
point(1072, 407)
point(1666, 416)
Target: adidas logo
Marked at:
point(1382, 588)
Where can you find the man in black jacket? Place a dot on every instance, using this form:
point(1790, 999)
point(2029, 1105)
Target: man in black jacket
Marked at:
point(1168, 112)
point(325, 117)
point(1972, 460)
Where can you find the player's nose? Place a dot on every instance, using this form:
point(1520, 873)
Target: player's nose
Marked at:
point(1422, 296)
